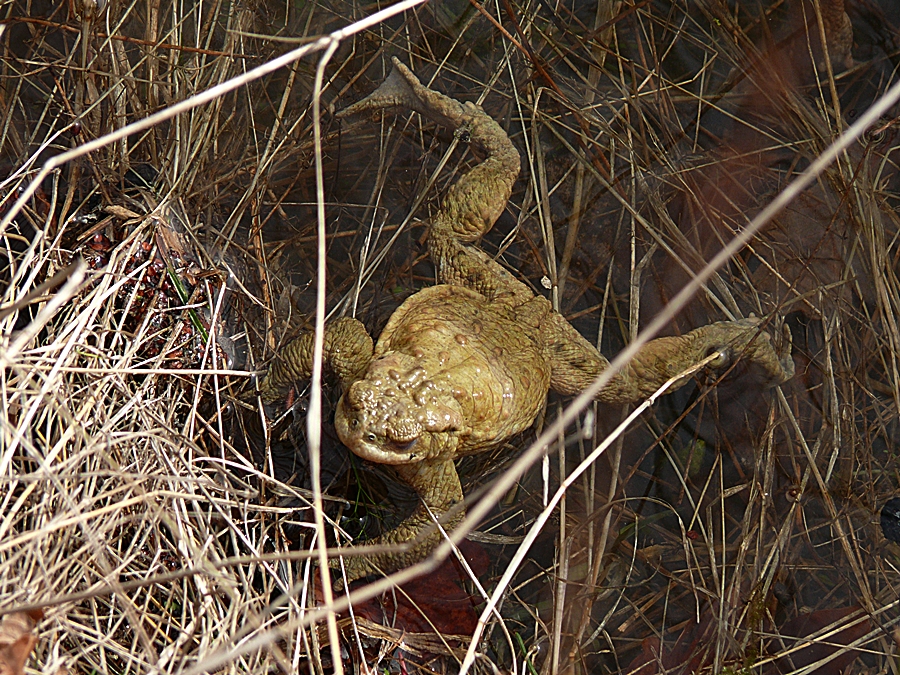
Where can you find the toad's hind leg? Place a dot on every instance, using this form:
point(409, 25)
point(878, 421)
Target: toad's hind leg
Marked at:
point(476, 200)
point(575, 364)
point(438, 487)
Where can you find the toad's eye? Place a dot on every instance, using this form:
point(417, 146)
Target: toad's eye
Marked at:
point(370, 437)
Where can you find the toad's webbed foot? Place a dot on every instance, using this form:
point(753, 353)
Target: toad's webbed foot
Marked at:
point(745, 339)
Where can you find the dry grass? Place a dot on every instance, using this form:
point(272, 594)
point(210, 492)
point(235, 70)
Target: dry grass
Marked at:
point(141, 504)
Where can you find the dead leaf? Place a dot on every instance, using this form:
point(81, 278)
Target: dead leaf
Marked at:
point(17, 641)
point(688, 654)
point(805, 626)
point(435, 602)
point(121, 212)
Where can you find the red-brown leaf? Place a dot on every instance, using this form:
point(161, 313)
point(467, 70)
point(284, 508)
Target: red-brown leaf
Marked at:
point(687, 654)
point(16, 641)
point(434, 602)
point(806, 625)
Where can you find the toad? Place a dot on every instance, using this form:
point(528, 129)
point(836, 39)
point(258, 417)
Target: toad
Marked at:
point(464, 365)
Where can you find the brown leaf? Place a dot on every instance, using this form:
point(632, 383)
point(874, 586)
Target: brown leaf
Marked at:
point(807, 625)
point(17, 641)
point(688, 654)
point(434, 602)
point(121, 212)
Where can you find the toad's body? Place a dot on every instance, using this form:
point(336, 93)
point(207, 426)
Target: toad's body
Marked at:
point(464, 365)
point(449, 360)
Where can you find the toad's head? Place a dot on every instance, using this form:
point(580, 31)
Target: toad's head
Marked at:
point(397, 415)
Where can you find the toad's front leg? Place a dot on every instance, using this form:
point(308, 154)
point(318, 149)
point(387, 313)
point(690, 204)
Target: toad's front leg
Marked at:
point(346, 351)
point(440, 499)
